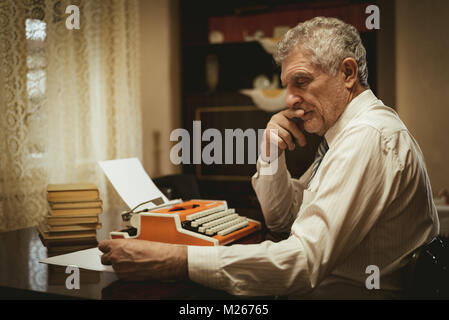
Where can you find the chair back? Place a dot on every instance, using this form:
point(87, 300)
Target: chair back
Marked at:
point(429, 271)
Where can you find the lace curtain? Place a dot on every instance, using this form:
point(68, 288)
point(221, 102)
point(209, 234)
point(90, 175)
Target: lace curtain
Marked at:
point(69, 98)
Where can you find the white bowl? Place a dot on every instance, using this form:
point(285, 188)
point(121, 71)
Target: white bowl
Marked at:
point(269, 44)
point(270, 100)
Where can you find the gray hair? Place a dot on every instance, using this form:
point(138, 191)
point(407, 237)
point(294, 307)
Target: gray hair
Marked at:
point(330, 41)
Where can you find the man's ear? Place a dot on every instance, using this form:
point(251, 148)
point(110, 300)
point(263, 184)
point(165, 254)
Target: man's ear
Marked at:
point(349, 70)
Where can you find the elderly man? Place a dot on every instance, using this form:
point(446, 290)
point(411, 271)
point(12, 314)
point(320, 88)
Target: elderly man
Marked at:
point(364, 204)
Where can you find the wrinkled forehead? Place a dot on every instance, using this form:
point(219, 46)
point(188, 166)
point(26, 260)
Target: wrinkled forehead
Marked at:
point(299, 61)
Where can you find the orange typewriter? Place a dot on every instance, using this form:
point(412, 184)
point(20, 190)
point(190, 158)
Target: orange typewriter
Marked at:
point(194, 222)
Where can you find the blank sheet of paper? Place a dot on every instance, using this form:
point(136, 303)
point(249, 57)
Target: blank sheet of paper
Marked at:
point(131, 182)
point(89, 259)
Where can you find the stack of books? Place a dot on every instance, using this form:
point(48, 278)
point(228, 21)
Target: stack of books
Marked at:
point(73, 218)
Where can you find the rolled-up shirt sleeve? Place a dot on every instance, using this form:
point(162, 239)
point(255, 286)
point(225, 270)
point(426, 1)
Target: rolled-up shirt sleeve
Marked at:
point(349, 192)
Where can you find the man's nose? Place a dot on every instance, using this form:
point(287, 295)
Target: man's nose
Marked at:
point(293, 100)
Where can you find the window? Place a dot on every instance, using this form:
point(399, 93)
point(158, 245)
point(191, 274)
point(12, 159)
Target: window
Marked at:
point(36, 83)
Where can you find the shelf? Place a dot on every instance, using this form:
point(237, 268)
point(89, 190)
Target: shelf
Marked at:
point(268, 44)
point(238, 64)
point(217, 99)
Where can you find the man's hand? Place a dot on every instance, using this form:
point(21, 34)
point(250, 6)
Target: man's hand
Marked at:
point(134, 259)
point(286, 128)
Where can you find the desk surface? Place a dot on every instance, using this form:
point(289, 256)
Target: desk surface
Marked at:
point(22, 276)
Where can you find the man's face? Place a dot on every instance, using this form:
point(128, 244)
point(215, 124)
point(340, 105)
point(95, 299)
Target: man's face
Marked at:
point(321, 96)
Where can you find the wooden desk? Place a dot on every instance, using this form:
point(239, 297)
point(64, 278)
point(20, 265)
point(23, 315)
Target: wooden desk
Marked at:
point(23, 277)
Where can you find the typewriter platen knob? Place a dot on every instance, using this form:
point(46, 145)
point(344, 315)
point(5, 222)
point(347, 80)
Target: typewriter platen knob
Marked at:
point(126, 216)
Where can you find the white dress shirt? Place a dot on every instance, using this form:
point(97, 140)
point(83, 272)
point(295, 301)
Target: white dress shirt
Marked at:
point(369, 203)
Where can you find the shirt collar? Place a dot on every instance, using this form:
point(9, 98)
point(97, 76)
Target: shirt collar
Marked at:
point(363, 101)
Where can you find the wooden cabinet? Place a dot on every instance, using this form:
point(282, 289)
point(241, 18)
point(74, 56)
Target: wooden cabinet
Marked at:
point(225, 108)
